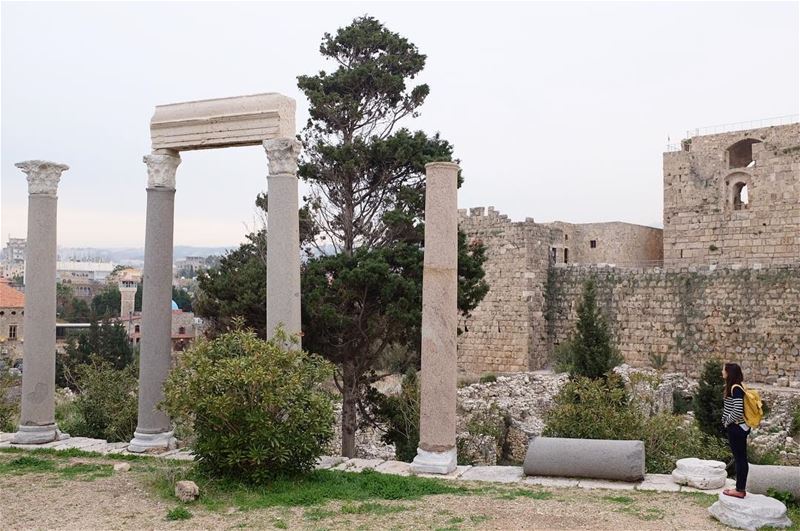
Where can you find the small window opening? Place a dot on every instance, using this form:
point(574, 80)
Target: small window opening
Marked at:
point(740, 155)
point(566, 237)
point(12, 332)
point(182, 330)
point(566, 255)
point(741, 198)
point(136, 328)
point(593, 244)
point(553, 255)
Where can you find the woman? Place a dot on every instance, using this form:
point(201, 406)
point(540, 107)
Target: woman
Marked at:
point(738, 430)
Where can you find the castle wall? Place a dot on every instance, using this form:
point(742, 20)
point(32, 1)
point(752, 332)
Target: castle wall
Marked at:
point(702, 224)
point(749, 316)
point(614, 243)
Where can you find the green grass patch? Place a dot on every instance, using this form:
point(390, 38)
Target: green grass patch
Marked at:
point(647, 514)
point(512, 494)
point(179, 513)
point(700, 498)
point(86, 471)
point(316, 514)
point(619, 499)
point(27, 464)
point(316, 488)
point(75, 452)
point(479, 518)
point(373, 508)
point(280, 524)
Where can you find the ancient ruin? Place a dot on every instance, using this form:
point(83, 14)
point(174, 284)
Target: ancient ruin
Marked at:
point(721, 279)
point(263, 119)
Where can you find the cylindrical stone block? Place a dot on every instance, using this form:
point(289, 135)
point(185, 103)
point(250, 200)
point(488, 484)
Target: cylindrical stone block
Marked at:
point(439, 310)
point(761, 478)
point(585, 458)
point(37, 415)
point(283, 237)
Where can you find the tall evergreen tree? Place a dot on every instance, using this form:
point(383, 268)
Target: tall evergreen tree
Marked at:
point(593, 351)
point(367, 181)
point(708, 403)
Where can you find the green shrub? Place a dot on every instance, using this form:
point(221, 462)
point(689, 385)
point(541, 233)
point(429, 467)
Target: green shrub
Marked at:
point(681, 404)
point(400, 414)
point(9, 408)
point(757, 456)
point(257, 408)
point(785, 497)
point(488, 378)
point(658, 361)
point(107, 403)
point(593, 409)
point(562, 357)
point(708, 400)
point(794, 430)
point(593, 352)
point(668, 438)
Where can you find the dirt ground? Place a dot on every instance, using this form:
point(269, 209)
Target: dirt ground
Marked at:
point(126, 501)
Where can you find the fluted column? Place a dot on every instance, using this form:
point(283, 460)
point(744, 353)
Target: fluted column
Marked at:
point(437, 442)
point(283, 236)
point(37, 419)
point(154, 429)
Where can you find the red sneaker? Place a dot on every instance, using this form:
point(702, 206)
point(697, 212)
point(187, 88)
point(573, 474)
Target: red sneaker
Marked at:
point(734, 493)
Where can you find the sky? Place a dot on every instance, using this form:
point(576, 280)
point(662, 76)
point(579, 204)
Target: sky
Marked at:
point(557, 111)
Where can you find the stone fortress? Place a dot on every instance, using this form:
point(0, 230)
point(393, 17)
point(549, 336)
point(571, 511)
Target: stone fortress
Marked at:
point(722, 279)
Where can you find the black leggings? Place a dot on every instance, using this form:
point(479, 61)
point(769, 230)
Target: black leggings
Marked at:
point(737, 438)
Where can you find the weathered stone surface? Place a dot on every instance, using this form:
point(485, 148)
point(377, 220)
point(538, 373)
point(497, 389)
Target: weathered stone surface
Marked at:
point(397, 468)
point(187, 491)
point(122, 467)
point(751, 512)
point(659, 482)
point(553, 456)
point(781, 478)
point(699, 473)
point(546, 481)
point(496, 474)
point(476, 449)
point(223, 122)
point(606, 484)
point(329, 461)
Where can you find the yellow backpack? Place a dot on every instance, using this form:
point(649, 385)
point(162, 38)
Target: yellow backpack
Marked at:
point(753, 410)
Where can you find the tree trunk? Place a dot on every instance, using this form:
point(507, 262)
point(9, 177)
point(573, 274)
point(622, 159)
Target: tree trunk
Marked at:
point(349, 388)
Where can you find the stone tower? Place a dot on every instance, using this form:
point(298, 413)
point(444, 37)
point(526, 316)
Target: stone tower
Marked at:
point(127, 290)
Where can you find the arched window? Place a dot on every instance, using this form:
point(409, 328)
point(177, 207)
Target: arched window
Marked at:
point(182, 330)
point(741, 198)
point(136, 329)
point(740, 154)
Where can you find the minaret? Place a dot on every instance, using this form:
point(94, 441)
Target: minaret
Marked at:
point(127, 290)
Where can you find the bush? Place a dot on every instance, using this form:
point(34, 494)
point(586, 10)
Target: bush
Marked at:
point(9, 408)
point(400, 414)
point(488, 378)
point(257, 408)
point(106, 406)
point(586, 408)
point(668, 438)
point(794, 430)
point(600, 409)
point(593, 354)
point(562, 357)
point(708, 400)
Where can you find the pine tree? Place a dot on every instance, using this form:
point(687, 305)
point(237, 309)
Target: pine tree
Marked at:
point(592, 349)
point(708, 399)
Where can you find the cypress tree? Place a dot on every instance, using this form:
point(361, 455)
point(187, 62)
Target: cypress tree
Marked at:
point(708, 399)
point(593, 352)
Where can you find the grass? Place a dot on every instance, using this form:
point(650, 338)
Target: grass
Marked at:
point(179, 513)
point(49, 461)
point(27, 464)
point(515, 493)
point(373, 508)
point(86, 471)
point(625, 500)
point(317, 488)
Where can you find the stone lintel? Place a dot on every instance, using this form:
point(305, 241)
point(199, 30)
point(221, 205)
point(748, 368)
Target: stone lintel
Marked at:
point(223, 122)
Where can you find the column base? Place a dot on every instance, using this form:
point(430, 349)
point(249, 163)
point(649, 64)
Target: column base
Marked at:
point(434, 462)
point(143, 442)
point(28, 434)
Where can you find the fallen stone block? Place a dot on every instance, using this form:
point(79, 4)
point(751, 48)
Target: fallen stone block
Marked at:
point(397, 468)
point(751, 512)
point(329, 461)
point(122, 467)
point(658, 482)
point(781, 478)
point(496, 474)
point(701, 474)
point(187, 491)
point(585, 458)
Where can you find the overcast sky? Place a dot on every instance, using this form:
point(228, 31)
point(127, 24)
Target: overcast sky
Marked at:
point(558, 111)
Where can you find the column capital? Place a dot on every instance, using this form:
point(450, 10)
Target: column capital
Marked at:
point(43, 176)
point(161, 167)
point(282, 155)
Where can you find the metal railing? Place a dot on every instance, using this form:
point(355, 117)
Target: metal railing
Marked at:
point(739, 126)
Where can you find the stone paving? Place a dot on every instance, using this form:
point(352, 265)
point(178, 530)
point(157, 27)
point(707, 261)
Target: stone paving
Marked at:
point(492, 474)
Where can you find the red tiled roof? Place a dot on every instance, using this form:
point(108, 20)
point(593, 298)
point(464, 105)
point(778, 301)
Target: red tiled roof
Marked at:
point(10, 297)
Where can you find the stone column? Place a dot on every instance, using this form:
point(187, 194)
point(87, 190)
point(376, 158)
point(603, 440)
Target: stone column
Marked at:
point(37, 420)
point(437, 442)
point(154, 429)
point(283, 236)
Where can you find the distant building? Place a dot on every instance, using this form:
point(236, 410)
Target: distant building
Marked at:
point(86, 278)
point(12, 312)
point(13, 257)
point(190, 266)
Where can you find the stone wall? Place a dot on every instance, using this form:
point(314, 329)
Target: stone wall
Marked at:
point(750, 316)
point(608, 243)
point(703, 224)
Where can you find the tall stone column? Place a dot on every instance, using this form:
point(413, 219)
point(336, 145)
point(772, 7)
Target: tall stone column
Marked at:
point(154, 429)
point(37, 420)
point(283, 236)
point(437, 441)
